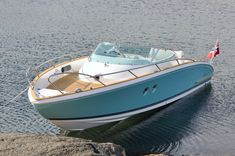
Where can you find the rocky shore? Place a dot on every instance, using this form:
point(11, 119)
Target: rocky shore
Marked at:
point(39, 144)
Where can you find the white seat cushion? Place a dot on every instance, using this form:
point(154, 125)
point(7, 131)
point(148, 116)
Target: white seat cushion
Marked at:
point(49, 92)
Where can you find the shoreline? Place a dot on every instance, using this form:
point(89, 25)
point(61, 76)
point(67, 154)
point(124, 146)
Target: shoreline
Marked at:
point(43, 144)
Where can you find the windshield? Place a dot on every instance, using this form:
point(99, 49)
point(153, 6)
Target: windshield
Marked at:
point(110, 53)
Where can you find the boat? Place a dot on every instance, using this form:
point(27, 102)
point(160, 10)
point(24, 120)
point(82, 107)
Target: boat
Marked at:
point(112, 84)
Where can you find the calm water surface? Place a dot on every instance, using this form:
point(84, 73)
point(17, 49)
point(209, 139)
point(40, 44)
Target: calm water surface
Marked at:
point(32, 32)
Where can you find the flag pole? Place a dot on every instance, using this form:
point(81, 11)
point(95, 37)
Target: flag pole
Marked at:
point(215, 51)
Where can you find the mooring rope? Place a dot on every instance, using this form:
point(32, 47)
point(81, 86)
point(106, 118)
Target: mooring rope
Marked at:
point(18, 95)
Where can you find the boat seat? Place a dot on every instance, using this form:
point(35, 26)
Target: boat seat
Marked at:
point(49, 92)
point(179, 54)
point(163, 55)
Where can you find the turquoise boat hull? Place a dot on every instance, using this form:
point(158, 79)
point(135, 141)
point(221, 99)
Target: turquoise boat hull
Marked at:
point(132, 97)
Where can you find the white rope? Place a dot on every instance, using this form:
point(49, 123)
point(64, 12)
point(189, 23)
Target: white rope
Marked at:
point(17, 95)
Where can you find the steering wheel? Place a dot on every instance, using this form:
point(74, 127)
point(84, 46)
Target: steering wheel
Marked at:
point(115, 51)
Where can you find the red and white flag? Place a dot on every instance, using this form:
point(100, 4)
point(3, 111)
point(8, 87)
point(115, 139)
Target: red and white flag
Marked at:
point(214, 51)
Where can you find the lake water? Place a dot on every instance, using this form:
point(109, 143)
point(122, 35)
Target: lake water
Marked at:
point(33, 31)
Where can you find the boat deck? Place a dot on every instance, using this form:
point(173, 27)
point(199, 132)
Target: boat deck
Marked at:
point(71, 83)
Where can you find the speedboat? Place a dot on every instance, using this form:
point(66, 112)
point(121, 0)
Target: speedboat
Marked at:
point(112, 84)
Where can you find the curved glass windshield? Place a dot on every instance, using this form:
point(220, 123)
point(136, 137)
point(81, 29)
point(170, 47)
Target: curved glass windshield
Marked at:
point(110, 53)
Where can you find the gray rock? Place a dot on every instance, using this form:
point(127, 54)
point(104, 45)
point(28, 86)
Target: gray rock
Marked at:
point(38, 144)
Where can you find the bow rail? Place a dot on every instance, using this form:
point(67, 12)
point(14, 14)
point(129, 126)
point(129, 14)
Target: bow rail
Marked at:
point(33, 72)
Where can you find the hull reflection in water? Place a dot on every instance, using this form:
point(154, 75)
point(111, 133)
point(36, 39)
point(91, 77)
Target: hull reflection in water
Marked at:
point(156, 131)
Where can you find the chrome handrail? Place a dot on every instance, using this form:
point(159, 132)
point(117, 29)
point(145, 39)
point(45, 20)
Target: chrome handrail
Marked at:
point(29, 72)
point(156, 64)
point(36, 68)
point(126, 70)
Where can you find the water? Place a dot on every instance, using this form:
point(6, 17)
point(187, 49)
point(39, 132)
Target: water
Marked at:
point(202, 124)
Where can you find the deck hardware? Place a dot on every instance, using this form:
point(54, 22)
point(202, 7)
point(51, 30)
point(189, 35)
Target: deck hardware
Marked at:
point(97, 77)
point(66, 68)
point(78, 90)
